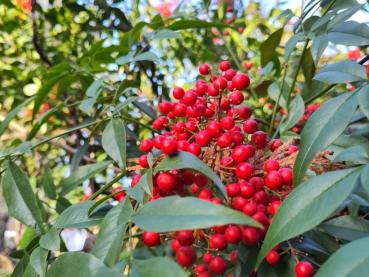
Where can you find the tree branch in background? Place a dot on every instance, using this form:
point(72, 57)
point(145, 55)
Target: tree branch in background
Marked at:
point(35, 37)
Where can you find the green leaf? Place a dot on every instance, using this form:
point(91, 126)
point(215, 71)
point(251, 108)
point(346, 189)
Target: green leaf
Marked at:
point(308, 205)
point(363, 99)
point(165, 34)
point(50, 240)
point(22, 148)
point(146, 56)
point(76, 216)
point(364, 178)
point(175, 213)
point(318, 46)
point(350, 260)
point(93, 89)
point(341, 72)
point(349, 33)
point(194, 24)
point(295, 111)
point(77, 157)
point(356, 154)
point(158, 266)
point(38, 261)
point(19, 196)
point(114, 141)
point(79, 264)
point(108, 244)
point(44, 91)
point(9, 117)
point(268, 47)
point(347, 227)
point(323, 127)
point(186, 160)
point(48, 184)
point(291, 44)
point(81, 174)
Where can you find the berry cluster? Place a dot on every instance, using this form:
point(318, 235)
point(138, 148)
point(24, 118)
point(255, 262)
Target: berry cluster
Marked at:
point(308, 112)
point(212, 122)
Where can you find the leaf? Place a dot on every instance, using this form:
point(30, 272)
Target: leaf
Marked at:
point(295, 111)
point(341, 72)
point(79, 264)
point(175, 213)
point(43, 92)
point(76, 216)
point(323, 127)
point(194, 24)
point(356, 154)
point(364, 178)
point(19, 196)
point(349, 33)
point(308, 66)
point(48, 184)
point(273, 92)
point(165, 34)
point(363, 99)
point(158, 266)
point(350, 260)
point(146, 56)
point(145, 108)
point(77, 157)
point(38, 261)
point(108, 243)
point(318, 46)
point(298, 212)
point(87, 105)
point(291, 44)
point(50, 240)
point(186, 160)
point(114, 141)
point(9, 117)
point(93, 89)
point(81, 174)
point(346, 227)
point(22, 148)
point(267, 47)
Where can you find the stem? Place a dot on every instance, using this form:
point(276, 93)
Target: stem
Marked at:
point(108, 185)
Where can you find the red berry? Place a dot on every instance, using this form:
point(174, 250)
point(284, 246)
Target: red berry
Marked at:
point(224, 140)
point(213, 90)
point(143, 161)
point(240, 81)
point(261, 197)
point(201, 180)
point(179, 110)
point(185, 237)
point(229, 74)
point(220, 83)
point(233, 234)
point(271, 165)
point(260, 139)
point(250, 236)
point(194, 148)
point(201, 87)
point(224, 65)
point(204, 69)
point(150, 238)
point(273, 257)
point(214, 128)
point(247, 190)
point(245, 112)
point(292, 149)
point(146, 145)
point(186, 256)
point(275, 143)
point(274, 206)
point(250, 209)
point(218, 265)
point(273, 180)
point(200, 268)
point(260, 217)
point(242, 153)
point(190, 97)
point(169, 146)
point(287, 175)
point(227, 122)
point(218, 242)
point(236, 97)
point(250, 126)
point(244, 170)
point(239, 203)
point(233, 190)
point(233, 257)
point(304, 269)
point(178, 93)
point(205, 194)
point(166, 181)
point(165, 107)
point(207, 257)
point(203, 138)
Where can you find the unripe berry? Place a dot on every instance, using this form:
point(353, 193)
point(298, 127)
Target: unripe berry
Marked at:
point(240, 81)
point(150, 238)
point(304, 269)
point(204, 69)
point(186, 256)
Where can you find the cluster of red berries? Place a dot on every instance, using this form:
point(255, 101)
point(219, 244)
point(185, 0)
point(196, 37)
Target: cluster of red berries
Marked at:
point(212, 122)
point(308, 112)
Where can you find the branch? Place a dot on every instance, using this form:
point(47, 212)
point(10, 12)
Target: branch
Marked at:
point(35, 37)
